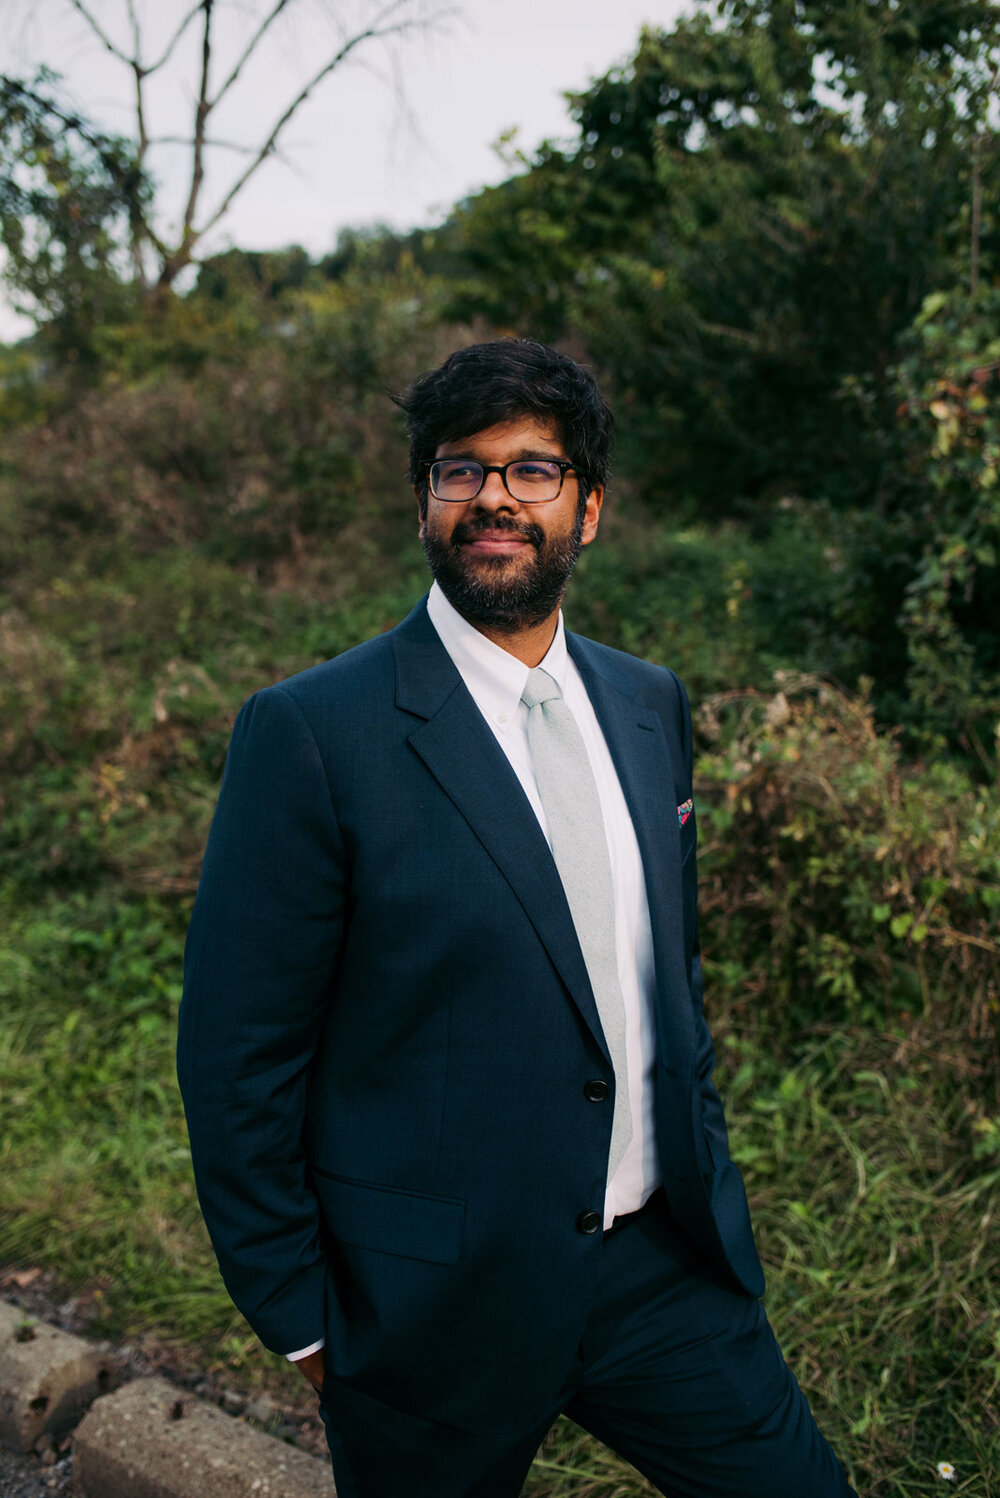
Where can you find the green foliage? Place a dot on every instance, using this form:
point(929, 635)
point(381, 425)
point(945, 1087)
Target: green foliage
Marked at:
point(721, 604)
point(856, 889)
point(751, 213)
point(949, 381)
point(94, 1161)
point(270, 273)
point(67, 196)
point(512, 253)
point(211, 430)
point(25, 396)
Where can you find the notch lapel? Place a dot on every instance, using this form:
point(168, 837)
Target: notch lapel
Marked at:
point(459, 749)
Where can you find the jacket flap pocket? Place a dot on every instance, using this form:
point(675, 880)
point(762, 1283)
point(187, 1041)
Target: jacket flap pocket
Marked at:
point(389, 1220)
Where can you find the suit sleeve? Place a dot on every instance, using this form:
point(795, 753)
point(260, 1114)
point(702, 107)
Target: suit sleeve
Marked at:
point(713, 1116)
point(260, 960)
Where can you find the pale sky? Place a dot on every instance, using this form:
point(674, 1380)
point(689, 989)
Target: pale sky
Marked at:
point(354, 154)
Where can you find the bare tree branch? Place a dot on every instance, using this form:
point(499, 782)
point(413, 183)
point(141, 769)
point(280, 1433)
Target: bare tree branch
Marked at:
point(250, 48)
point(201, 114)
point(387, 22)
point(140, 116)
point(210, 143)
point(392, 77)
point(168, 51)
point(377, 30)
point(158, 244)
point(98, 31)
point(136, 38)
point(139, 228)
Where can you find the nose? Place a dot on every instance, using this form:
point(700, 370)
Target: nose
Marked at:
point(493, 496)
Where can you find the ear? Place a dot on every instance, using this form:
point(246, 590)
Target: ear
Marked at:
point(592, 514)
point(421, 512)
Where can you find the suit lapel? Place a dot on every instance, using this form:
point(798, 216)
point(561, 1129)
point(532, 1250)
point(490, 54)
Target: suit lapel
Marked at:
point(638, 746)
point(459, 749)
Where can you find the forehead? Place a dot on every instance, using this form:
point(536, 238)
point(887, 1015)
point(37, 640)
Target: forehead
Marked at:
point(524, 436)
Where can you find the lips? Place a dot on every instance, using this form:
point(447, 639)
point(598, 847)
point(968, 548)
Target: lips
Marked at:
point(496, 540)
point(499, 545)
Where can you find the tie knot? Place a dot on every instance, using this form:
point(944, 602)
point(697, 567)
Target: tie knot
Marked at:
point(540, 687)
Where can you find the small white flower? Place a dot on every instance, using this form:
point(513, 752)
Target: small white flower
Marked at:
point(946, 1470)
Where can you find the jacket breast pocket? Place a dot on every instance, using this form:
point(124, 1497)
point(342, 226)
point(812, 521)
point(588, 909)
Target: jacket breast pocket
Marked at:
point(390, 1220)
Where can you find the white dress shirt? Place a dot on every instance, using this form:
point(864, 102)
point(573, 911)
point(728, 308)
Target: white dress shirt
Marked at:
point(495, 680)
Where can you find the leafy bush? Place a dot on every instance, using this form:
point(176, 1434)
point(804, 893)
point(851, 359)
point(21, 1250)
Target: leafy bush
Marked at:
point(949, 379)
point(841, 885)
point(247, 461)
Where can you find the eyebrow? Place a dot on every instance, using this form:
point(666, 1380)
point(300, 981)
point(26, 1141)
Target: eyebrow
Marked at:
point(523, 455)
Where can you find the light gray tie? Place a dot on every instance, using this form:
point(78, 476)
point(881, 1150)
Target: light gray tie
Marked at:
point(576, 829)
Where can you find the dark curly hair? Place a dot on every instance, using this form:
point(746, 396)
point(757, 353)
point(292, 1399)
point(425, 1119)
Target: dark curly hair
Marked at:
point(489, 383)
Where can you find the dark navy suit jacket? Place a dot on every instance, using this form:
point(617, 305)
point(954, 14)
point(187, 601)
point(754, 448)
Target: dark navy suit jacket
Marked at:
point(387, 1029)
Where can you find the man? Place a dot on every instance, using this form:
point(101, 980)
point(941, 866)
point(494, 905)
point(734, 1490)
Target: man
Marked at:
point(447, 1077)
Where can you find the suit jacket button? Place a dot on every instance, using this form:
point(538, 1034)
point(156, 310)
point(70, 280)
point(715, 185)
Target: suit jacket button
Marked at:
point(588, 1222)
point(597, 1091)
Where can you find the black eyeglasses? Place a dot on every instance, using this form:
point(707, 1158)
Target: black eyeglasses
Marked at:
point(531, 481)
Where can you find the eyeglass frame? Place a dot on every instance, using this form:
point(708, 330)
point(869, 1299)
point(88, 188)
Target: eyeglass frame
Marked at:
point(563, 464)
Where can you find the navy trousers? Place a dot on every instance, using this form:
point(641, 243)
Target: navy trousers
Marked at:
point(678, 1372)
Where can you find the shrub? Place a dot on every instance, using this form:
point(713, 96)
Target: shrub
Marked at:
point(949, 381)
point(839, 883)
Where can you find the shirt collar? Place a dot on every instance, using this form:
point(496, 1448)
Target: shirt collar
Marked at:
point(495, 678)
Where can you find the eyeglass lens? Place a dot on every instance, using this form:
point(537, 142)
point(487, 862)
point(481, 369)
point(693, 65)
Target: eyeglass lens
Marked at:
point(530, 480)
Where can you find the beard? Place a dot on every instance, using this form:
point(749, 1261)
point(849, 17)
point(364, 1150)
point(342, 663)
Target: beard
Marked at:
point(507, 594)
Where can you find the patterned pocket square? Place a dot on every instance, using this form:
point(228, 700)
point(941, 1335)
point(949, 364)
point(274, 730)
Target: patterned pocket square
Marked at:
point(684, 811)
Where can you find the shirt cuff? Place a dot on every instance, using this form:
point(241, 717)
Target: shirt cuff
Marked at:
point(303, 1352)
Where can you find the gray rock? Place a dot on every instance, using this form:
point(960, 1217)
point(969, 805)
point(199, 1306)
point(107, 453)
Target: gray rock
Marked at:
point(47, 1378)
point(147, 1441)
point(262, 1410)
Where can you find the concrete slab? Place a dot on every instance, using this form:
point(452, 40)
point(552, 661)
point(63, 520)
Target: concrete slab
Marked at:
point(151, 1440)
point(47, 1378)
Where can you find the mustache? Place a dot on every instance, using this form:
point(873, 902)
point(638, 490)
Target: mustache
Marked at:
point(478, 525)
